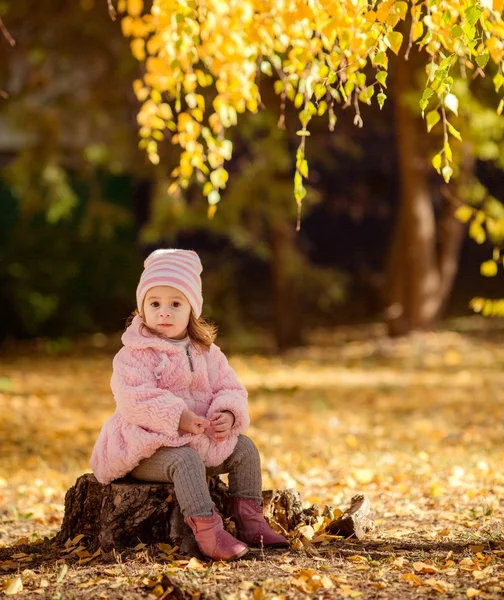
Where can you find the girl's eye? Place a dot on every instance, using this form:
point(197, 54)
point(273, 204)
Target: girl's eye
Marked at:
point(154, 304)
point(176, 304)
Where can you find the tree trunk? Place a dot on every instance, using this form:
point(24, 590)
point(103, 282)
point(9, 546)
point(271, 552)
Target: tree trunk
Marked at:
point(421, 269)
point(288, 322)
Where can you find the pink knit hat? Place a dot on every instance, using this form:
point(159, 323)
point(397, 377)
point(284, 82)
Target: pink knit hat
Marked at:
point(178, 268)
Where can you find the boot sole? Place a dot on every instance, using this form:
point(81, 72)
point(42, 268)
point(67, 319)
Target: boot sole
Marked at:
point(239, 555)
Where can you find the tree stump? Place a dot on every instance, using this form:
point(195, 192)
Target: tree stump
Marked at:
point(127, 512)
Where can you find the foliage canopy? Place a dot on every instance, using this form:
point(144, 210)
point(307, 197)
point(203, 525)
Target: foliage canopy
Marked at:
point(204, 58)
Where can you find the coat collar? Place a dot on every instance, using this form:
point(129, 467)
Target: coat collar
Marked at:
point(139, 338)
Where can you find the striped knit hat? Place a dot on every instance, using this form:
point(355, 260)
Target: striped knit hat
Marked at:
point(178, 268)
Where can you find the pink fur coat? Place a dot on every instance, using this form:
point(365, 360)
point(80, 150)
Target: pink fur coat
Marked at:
point(153, 381)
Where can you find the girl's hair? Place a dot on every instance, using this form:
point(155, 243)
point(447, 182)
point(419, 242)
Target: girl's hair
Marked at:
point(201, 332)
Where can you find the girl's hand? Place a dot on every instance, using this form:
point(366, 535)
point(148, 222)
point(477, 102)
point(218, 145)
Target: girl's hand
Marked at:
point(221, 423)
point(190, 422)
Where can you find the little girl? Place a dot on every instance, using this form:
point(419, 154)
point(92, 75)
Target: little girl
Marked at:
point(181, 411)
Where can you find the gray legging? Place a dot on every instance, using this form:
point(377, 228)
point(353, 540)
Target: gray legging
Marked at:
point(186, 470)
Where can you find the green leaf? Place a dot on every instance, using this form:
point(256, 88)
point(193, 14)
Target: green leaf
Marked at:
point(473, 14)
point(381, 77)
point(427, 93)
point(456, 31)
point(469, 30)
point(482, 59)
point(380, 59)
point(432, 118)
point(367, 94)
point(381, 97)
point(498, 81)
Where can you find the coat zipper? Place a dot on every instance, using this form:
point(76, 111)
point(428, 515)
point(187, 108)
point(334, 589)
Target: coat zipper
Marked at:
point(190, 360)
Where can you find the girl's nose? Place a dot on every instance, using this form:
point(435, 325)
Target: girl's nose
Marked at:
point(165, 311)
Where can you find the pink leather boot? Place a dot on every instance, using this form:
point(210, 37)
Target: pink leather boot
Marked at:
point(213, 540)
point(252, 526)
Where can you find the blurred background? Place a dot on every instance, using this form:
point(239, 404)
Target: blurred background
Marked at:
point(81, 206)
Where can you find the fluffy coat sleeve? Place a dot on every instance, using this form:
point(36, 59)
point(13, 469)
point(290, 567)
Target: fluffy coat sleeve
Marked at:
point(138, 398)
point(229, 393)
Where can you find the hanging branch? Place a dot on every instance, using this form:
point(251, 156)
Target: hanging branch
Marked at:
point(6, 33)
point(111, 10)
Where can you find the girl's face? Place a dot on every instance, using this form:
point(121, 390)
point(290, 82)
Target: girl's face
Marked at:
point(166, 311)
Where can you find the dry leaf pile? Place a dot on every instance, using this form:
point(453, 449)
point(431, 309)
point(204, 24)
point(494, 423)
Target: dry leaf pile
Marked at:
point(416, 425)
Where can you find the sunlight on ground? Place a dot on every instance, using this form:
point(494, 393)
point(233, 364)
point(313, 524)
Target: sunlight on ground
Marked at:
point(416, 425)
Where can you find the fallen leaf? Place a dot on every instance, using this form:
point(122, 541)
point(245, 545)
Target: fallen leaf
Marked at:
point(84, 561)
point(421, 567)
point(139, 547)
point(195, 564)
point(157, 591)
point(412, 578)
point(14, 586)
point(258, 594)
point(472, 592)
point(245, 585)
point(439, 585)
point(63, 570)
point(307, 531)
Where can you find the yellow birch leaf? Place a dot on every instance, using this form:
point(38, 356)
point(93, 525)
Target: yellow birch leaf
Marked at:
point(135, 7)
point(417, 30)
point(464, 213)
point(394, 40)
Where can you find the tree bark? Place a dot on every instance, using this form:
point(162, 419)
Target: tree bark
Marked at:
point(424, 255)
point(288, 323)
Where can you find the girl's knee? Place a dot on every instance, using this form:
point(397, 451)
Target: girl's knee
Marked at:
point(246, 445)
point(187, 458)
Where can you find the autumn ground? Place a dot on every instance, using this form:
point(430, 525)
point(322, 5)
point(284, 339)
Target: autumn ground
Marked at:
point(416, 425)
